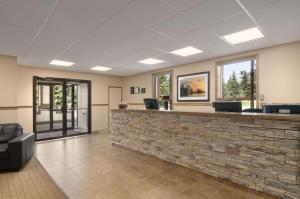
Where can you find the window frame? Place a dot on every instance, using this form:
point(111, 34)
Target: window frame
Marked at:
point(155, 87)
point(219, 74)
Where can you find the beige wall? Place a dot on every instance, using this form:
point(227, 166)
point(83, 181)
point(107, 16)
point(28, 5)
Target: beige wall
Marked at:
point(16, 91)
point(279, 69)
point(279, 79)
point(8, 86)
point(142, 81)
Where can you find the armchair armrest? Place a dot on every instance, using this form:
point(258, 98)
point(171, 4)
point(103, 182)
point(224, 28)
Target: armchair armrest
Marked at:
point(20, 150)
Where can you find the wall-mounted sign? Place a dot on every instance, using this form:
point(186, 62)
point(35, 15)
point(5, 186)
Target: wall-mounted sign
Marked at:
point(131, 90)
point(137, 90)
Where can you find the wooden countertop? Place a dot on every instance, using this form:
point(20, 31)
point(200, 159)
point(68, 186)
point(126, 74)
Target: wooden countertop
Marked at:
point(265, 116)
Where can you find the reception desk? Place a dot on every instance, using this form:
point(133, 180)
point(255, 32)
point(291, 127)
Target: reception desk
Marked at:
point(259, 151)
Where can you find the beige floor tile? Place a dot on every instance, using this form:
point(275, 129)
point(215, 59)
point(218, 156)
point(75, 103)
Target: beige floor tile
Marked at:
point(91, 167)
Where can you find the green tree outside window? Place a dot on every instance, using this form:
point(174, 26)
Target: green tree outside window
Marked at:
point(58, 97)
point(164, 85)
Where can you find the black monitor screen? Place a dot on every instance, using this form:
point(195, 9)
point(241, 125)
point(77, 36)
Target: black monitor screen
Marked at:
point(228, 106)
point(151, 103)
point(282, 108)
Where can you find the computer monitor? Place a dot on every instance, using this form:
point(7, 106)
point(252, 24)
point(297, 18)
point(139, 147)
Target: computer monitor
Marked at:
point(281, 108)
point(232, 106)
point(151, 103)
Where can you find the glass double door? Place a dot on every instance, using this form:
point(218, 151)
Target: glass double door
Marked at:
point(62, 108)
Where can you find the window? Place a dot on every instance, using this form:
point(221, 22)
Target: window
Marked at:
point(237, 81)
point(162, 84)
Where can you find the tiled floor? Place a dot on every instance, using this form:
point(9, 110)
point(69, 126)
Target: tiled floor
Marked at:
point(90, 167)
point(31, 182)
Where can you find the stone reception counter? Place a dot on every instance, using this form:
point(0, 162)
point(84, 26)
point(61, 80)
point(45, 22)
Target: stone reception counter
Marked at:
point(259, 151)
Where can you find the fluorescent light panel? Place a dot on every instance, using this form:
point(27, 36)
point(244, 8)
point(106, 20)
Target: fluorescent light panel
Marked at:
point(61, 63)
point(243, 36)
point(187, 51)
point(151, 61)
point(101, 68)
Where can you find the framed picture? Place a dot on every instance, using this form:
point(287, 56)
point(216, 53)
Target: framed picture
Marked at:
point(143, 90)
point(193, 87)
point(137, 90)
point(132, 90)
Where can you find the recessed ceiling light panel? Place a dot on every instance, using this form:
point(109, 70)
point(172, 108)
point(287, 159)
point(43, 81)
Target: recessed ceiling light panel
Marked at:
point(244, 36)
point(187, 51)
point(151, 61)
point(101, 68)
point(61, 63)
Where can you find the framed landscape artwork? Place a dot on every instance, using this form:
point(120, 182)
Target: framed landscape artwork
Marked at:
point(193, 87)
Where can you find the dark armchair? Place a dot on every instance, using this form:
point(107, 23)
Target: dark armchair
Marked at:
point(16, 147)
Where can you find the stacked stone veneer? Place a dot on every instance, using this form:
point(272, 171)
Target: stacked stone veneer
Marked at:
point(257, 152)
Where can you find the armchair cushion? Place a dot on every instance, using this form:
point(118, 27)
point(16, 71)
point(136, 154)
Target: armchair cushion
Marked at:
point(20, 150)
point(9, 131)
point(3, 151)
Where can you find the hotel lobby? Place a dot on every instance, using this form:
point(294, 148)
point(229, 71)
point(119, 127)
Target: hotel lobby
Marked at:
point(140, 99)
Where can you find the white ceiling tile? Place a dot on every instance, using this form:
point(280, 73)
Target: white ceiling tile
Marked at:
point(16, 13)
point(87, 13)
point(212, 48)
point(118, 34)
point(129, 64)
point(134, 68)
point(286, 31)
point(255, 44)
point(231, 25)
point(214, 45)
point(146, 13)
point(63, 31)
point(212, 11)
point(126, 24)
point(276, 12)
point(135, 57)
point(170, 45)
point(109, 35)
point(19, 18)
point(54, 37)
point(176, 25)
point(36, 7)
point(20, 22)
point(140, 42)
point(253, 4)
point(196, 36)
point(173, 60)
point(14, 40)
point(38, 62)
point(183, 4)
point(197, 16)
